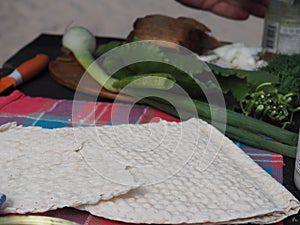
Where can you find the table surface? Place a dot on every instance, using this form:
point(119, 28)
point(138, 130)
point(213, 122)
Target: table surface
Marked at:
point(45, 86)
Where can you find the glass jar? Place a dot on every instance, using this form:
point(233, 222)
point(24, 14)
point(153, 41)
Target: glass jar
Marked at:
point(282, 27)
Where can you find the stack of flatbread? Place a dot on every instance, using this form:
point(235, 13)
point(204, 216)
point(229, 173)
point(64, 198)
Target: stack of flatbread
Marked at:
point(165, 173)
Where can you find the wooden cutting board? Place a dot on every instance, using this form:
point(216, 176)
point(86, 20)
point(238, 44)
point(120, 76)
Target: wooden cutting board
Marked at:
point(66, 70)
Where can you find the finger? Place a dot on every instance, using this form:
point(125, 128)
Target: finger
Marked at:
point(254, 7)
point(232, 11)
point(257, 8)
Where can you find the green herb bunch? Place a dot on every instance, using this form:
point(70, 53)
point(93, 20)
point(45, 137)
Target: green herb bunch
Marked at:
point(287, 69)
point(269, 105)
point(276, 103)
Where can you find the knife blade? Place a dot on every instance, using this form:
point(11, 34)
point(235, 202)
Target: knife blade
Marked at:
point(24, 72)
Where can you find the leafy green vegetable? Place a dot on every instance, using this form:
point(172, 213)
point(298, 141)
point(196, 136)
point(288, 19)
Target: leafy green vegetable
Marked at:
point(287, 69)
point(102, 49)
point(187, 63)
point(129, 55)
point(146, 81)
point(241, 82)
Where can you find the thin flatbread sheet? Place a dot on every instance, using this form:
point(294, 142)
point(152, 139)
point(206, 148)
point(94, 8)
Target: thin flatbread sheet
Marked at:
point(43, 169)
point(190, 173)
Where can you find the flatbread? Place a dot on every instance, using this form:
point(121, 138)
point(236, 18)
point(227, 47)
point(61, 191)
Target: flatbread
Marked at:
point(42, 169)
point(163, 173)
point(190, 173)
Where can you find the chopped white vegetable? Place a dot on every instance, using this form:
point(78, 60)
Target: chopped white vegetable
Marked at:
point(235, 55)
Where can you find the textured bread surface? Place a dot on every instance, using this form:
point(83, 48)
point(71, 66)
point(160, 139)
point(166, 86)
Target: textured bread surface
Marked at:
point(189, 172)
point(42, 169)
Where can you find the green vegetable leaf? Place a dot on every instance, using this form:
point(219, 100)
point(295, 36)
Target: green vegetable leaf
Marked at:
point(161, 81)
point(233, 85)
point(241, 82)
point(102, 49)
point(188, 63)
point(133, 53)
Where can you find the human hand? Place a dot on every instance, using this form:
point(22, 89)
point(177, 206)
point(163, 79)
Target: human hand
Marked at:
point(233, 9)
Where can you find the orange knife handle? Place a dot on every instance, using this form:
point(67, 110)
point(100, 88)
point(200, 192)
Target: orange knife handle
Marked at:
point(33, 67)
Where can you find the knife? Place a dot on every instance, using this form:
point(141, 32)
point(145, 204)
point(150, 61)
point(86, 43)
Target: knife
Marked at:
point(24, 72)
